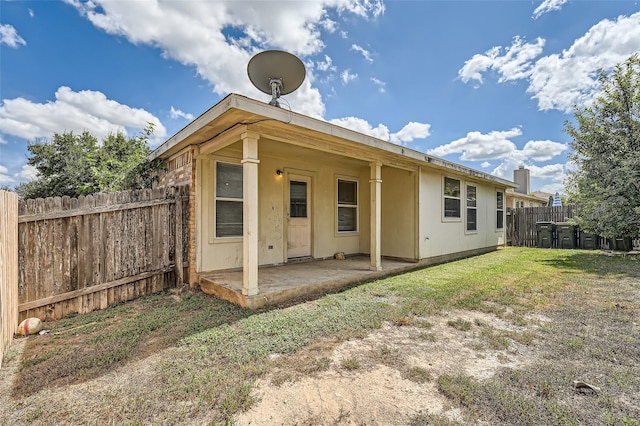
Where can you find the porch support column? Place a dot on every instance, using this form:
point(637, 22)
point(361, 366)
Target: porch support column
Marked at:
point(250, 213)
point(375, 183)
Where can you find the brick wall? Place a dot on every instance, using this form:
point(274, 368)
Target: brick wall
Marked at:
point(180, 169)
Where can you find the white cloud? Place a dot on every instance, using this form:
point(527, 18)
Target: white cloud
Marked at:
point(552, 188)
point(362, 126)
point(4, 177)
point(196, 34)
point(329, 25)
point(73, 111)
point(548, 6)
point(344, 34)
point(560, 81)
point(408, 133)
point(543, 150)
point(411, 131)
point(31, 13)
point(10, 37)
point(27, 173)
point(347, 77)
point(497, 145)
point(512, 63)
point(381, 84)
point(327, 65)
point(555, 174)
point(176, 113)
point(365, 53)
point(477, 146)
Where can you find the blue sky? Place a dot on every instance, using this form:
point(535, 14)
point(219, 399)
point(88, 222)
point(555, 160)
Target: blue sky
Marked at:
point(487, 84)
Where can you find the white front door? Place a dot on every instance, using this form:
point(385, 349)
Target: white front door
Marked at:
point(299, 217)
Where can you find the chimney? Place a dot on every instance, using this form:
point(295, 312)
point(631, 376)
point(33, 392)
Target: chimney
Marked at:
point(521, 177)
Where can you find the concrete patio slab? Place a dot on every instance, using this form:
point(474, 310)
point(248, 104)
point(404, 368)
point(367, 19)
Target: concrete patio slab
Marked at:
point(299, 279)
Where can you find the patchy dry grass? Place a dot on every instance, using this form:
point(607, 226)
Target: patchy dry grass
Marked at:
point(83, 347)
point(195, 360)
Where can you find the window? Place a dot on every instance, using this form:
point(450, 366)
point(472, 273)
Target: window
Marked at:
point(472, 208)
point(297, 199)
point(451, 198)
point(499, 210)
point(347, 205)
point(228, 200)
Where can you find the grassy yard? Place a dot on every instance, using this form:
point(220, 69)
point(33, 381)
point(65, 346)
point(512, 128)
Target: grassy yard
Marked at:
point(192, 359)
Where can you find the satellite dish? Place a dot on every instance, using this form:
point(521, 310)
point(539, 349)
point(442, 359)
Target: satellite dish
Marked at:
point(276, 73)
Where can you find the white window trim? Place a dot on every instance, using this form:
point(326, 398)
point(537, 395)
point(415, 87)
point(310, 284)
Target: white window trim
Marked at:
point(459, 198)
point(466, 209)
point(215, 238)
point(356, 207)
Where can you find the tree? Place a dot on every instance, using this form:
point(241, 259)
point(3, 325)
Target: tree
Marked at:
point(120, 163)
point(605, 147)
point(64, 166)
point(77, 165)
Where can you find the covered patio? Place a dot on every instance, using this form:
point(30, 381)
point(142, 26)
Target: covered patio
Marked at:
point(299, 279)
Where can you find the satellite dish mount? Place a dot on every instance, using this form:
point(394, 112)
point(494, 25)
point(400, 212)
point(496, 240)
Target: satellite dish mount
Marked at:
point(276, 90)
point(276, 73)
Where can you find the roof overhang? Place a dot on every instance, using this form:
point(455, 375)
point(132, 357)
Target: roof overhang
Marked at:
point(238, 111)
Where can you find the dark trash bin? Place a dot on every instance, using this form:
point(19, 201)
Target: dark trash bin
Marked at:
point(621, 243)
point(544, 234)
point(566, 233)
point(589, 241)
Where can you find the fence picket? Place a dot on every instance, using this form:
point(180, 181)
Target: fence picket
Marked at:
point(69, 246)
point(521, 224)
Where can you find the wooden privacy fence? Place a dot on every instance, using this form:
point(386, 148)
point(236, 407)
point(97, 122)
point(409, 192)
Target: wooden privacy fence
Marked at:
point(8, 268)
point(521, 222)
point(79, 255)
point(521, 225)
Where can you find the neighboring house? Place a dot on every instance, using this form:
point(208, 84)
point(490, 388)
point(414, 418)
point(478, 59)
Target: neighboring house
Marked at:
point(521, 196)
point(269, 186)
point(542, 194)
point(515, 200)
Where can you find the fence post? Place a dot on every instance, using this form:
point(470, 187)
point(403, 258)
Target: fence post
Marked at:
point(8, 268)
point(178, 241)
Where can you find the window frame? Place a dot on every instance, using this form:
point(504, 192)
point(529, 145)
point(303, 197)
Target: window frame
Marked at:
point(355, 206)
point(216, 198)
point(500, 197)
point(446, 197)
point(468, 208)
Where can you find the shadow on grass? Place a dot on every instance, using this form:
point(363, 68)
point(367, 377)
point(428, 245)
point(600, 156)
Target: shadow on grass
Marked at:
point(85, 347)
point(602, 264)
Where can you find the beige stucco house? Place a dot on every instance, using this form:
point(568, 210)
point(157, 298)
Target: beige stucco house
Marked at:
point(269, 186)
point(517, 200)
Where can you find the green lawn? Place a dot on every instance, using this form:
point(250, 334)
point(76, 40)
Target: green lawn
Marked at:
point(212, 351)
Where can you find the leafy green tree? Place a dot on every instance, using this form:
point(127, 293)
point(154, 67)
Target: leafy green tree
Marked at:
point(77, 165)
point(120, 161)
point(605, 149)
point(64, 166)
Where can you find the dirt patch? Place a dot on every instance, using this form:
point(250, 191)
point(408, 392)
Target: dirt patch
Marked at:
point(393, 381)
point(381, 389)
